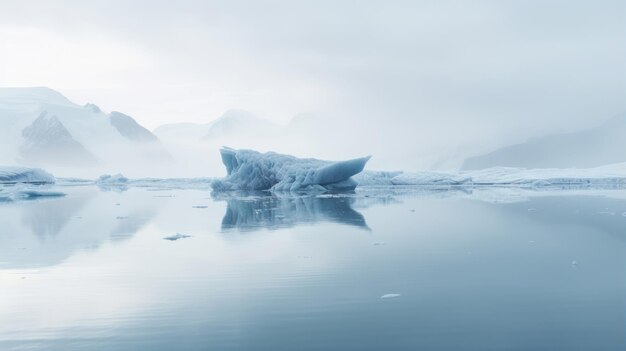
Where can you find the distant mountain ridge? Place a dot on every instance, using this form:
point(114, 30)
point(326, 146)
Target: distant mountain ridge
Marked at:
point(601, 145)
point(233, 123)
point(40, 126)
point(47, 136)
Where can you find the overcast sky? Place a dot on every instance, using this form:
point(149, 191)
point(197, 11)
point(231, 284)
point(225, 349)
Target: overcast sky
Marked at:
point(445, 74)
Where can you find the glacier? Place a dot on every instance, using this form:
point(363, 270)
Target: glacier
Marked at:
point(252, 170)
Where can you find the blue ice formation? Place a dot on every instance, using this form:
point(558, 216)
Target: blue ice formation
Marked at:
point(252, 170)
point(12, 175)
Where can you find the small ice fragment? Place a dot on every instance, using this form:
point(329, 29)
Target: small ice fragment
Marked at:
point(379, 243)
point(412, 210)
point(623, 214)
point(177, 236)
point(117, 204)
point(532, 209)
point(199, 206)
point(574, 263)
point(532, 241)
point(121, 217)
point(389, 296)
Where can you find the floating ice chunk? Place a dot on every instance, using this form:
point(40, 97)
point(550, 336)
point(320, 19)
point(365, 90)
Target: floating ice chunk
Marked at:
point(12, 175)
point(389, 296)
point(177, 236)
point(199, 206)
point(108, 179)
point(379, 243)
point(116, 183)
point(251, 170)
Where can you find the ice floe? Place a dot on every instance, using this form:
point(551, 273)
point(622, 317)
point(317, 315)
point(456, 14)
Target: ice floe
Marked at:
point(390, 296)
point(501, 176)
point(177, 236)
point(12, 175)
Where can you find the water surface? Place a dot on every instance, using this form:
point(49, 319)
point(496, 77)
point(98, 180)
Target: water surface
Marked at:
point(464, 270)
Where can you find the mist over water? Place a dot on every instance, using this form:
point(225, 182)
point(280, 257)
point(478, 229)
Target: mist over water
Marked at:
point(420, 85)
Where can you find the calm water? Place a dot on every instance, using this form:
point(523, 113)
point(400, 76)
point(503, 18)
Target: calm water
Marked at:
point(474, 271)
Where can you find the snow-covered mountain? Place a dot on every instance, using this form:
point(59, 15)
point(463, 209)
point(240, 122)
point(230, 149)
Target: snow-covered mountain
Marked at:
point(39, 126)
point(239, 123)
point(232, 124)
point(182, 131)
point(602, 145)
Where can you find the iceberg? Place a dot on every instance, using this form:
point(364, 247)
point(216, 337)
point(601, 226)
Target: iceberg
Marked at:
point(117, 182)
point(12, 175)
point(252, 170)
point(107, 179)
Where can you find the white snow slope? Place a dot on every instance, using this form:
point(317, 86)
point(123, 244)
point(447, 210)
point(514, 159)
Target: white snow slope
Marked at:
point(502, 176)
point(39, 126)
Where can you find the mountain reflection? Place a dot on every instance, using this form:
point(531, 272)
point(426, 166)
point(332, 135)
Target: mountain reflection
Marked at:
point(45, 233)
point(268, 211)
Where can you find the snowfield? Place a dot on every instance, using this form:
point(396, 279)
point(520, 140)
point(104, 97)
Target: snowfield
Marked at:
point(501, 176)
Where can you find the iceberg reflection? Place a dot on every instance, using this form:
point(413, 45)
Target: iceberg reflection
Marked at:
point(254, 211)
